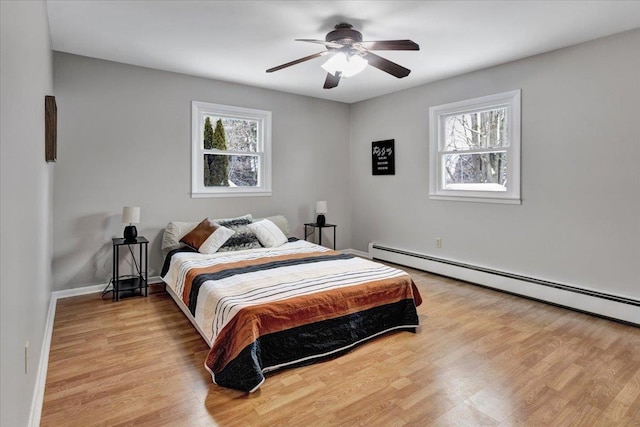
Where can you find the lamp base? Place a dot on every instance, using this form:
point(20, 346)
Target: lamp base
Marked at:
point(130, 233)
point(320, 220)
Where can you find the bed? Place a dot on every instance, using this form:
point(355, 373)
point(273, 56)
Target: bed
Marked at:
point(265, 308)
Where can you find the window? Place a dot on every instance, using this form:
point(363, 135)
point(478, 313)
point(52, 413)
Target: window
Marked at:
point(474, 149)
point(231, 151)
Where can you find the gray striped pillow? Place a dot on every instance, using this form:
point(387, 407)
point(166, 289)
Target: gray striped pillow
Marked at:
point(243, 238)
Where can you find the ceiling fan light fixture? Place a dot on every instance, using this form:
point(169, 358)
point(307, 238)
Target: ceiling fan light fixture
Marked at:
point(347, 65)
point(348, 55)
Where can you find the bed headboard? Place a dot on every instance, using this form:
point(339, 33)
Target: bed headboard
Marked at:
point(176, 230)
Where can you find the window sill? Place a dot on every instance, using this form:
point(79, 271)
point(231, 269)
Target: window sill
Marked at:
point(475, 199)
point(231, 194)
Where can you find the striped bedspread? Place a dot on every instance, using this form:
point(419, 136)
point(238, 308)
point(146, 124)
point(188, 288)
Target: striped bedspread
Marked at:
point(266, 309)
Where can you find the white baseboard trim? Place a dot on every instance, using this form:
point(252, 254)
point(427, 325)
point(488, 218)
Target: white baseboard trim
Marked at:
point(74, 292)
point(586, 300)
point(41, 376)
point(91, 289)
point(356, 252)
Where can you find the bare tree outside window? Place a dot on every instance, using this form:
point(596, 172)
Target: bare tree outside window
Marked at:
point(475, 150)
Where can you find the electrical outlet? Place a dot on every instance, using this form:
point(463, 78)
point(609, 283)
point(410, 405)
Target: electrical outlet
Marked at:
point(26, 357)
point(438, 242)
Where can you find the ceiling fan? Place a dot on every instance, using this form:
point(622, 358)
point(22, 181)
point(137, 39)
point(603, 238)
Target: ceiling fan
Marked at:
point(349, 55)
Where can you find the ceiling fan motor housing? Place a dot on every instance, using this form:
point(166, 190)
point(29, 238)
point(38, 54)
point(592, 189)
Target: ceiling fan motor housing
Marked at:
point(344, 34)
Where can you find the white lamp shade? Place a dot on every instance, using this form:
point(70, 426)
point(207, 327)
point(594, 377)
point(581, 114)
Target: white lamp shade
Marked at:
point(131, 215)
point(347, 65)
point(321, 207)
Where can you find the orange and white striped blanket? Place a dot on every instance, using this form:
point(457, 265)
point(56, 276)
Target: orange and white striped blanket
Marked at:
point(264, 309)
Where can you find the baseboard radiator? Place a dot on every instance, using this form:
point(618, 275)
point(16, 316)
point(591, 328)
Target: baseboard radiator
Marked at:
point(602, 304)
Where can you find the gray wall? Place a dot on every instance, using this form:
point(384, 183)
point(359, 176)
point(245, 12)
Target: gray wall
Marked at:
point(25, 210)
point(579, 222)
point(125, 139)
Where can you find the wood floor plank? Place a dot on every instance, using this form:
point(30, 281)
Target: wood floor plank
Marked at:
point(480, 357)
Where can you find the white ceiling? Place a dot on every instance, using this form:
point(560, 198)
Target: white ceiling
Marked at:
point(236, 41)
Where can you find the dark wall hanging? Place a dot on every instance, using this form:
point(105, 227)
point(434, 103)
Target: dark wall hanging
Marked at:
point(383, 157)
point(50, 128)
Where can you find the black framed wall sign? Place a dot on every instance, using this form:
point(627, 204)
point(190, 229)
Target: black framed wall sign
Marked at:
point(383, 157)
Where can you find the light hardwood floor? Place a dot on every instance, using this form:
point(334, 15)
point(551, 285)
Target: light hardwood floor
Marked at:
point(480, 358)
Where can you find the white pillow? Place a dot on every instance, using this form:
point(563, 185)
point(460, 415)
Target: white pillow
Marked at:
point(268, 233)
point(280, 221)
point(215, 240)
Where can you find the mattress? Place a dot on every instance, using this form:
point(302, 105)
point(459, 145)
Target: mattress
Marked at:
point(271, 308)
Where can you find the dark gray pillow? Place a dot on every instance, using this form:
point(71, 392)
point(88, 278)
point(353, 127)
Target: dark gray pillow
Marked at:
point(243, 238)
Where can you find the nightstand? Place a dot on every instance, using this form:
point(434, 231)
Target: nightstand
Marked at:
point(313, 226)
point(130, 285)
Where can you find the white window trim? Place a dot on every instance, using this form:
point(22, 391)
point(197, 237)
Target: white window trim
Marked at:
point(201, 109)
point(437, 113)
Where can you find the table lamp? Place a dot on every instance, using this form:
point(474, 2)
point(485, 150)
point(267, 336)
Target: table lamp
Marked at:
point(321, 209)
point(130, 215)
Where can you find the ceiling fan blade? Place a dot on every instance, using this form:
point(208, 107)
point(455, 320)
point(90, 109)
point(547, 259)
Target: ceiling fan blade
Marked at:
point(387, 66)
point(331, 80)
point(390, 45)
point(328, 44)
point(297, 61)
